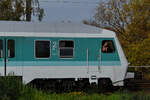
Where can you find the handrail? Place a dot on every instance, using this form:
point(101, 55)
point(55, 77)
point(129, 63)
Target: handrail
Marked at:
point(87, 58)
point(99, 60)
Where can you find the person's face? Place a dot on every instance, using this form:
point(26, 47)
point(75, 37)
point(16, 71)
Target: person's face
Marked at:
point(105, 44)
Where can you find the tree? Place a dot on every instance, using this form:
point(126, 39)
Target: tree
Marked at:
point(139, 53)
point(137, 35)
point(20, 10)
point(35, 9)
point(111, 15)
point(7, 11)
point(130, 19)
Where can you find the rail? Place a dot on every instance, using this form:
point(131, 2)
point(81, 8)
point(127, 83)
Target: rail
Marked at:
point(139, 66)
point(140, 81)
point(141, 73)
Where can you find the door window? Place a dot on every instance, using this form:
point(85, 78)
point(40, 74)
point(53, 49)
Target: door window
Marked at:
point(1, 48)
point(11, 48)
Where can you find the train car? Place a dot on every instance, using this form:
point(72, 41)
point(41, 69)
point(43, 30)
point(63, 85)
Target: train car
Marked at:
point(61, 51)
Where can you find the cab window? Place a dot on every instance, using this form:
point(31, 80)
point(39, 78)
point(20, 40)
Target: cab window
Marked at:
point(108, 46)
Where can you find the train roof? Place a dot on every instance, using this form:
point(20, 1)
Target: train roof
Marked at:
point(37, 29)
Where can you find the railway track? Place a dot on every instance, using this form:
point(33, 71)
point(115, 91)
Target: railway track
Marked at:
point(134, 84)
point(139, 82)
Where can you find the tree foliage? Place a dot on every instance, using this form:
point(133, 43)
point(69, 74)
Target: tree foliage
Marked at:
point(130, 19)
point(20, 10)
point(139, 53)
point(136, 38)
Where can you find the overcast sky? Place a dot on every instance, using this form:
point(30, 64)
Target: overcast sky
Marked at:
point(68, 10)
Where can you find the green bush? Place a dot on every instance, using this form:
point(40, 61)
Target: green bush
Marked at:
point(10, 88)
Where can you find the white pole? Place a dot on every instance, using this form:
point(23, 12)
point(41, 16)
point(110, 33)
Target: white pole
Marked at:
point(87, 58)
point(99, 61)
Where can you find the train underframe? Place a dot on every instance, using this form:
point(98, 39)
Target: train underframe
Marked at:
point(71, 84)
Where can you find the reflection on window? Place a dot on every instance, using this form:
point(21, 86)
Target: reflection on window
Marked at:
point(11, 48)
point(1, 48)
point(42, 49)
point(108, 46)
point(66, 48)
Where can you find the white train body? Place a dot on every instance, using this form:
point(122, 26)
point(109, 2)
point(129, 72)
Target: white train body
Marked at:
point(61, 51)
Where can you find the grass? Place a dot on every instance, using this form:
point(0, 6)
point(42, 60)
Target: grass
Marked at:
point(39, 95)
point(12, 89)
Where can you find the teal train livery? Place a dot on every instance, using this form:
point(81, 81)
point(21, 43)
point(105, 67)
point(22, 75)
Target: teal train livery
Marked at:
point(73, 53)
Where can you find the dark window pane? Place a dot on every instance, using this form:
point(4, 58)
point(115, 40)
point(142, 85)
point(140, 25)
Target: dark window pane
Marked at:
point(1, 48)
point(108, 46)
point(11, 48)
point(66, 48)
point(66, 53)
point(42, 49)
point(66, 44)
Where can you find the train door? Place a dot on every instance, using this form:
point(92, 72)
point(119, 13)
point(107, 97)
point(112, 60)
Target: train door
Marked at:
point(2, 56)
point(7, 53)
point(94, 57)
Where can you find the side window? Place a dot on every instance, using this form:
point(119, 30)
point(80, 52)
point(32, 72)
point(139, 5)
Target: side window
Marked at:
point(11, 48)
point(42, 49)
point(108, 46)
point(66, 48)
point(1, 48)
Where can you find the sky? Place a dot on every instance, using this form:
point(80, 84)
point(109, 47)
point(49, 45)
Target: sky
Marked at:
point(68, 10)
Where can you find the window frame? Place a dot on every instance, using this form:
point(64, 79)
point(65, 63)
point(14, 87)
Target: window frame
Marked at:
point(67, 57)
point(113, 47)
point(35, 49)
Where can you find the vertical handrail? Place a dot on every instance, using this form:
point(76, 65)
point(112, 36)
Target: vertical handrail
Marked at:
point(87, 59)
point(99, 61)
